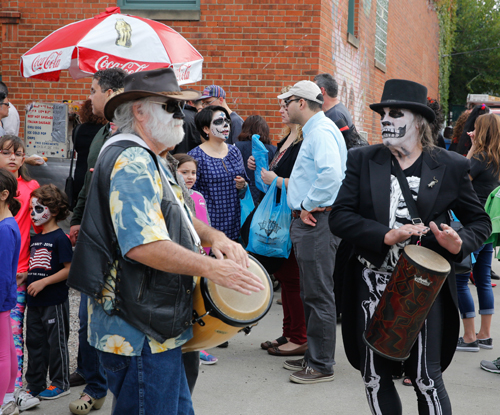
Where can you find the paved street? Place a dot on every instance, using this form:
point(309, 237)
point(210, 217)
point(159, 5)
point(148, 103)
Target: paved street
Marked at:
point(248, 381)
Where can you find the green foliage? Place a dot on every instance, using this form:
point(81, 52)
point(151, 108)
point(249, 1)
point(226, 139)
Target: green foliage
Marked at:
point(477, 71)
point(446, 11)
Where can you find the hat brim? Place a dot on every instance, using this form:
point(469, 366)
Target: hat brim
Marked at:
point(421, 109)
point(285, 95)
point(117, 100)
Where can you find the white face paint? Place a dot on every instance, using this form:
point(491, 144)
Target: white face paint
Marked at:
point(40, 214)
point(219, 127)
point(399, 131)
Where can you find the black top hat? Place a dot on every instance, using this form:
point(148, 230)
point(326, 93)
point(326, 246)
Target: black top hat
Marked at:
point(160, 83)
point(400, 93)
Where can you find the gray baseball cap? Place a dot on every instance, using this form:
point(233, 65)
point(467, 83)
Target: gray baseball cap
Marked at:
point(304, 89)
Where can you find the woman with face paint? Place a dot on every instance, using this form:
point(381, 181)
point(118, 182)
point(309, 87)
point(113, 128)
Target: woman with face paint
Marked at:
point(221, 176)
point(371, 212)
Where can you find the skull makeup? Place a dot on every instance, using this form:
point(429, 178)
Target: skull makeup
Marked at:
point(399, 130)
point(40, 214)
point(220, 125)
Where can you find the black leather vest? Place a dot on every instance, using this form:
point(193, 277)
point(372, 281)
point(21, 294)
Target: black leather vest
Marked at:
point(157, 303)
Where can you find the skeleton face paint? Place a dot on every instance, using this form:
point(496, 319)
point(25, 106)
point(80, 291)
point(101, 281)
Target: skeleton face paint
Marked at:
point(40, 214)
point(220, 126)
point(399, 130)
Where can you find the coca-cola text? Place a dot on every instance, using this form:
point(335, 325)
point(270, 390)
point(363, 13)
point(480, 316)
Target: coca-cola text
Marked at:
point(46, 62)
point(131, 67)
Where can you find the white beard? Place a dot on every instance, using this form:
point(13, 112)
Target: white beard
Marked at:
point(164, 128)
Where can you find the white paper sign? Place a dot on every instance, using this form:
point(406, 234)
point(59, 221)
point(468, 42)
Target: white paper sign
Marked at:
point(46, 132)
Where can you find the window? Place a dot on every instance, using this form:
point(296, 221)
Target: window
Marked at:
point(352, 23)
point(381, 33)
point(162, 9)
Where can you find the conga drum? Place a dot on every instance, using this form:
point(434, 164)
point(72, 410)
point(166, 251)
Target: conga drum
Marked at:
point(220, 313)
point(399, 316)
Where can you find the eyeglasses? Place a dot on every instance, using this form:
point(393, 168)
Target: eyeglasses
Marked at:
point(206, 104)
point(5, 103)
point(8, 153)
point(171, 106)
point(287, 101)
point(221, 121)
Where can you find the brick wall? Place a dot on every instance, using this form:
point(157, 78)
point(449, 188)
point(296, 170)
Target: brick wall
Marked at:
point(253, 48)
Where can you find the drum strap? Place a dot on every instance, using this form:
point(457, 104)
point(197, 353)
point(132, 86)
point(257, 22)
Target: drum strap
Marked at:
point(405, 189)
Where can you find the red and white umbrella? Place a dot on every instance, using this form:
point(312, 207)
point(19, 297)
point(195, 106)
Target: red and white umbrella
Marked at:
point(110, 40)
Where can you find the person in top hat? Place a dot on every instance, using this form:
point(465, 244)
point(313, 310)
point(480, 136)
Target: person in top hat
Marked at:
point(371, 213)
point(138, 250)
point(215, 95)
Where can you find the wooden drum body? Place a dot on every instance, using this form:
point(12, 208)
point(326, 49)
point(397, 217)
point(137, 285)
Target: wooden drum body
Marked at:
point(220, 313)
point(406, 302)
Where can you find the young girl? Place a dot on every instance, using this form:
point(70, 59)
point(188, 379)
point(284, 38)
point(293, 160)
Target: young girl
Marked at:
point(10, 244)
point(12, 159)
point(187, 168)
point(47, 319)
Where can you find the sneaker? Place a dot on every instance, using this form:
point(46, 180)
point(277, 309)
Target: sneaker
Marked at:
point(494, 275)
point(309, 375)
point(493, 367)
point(10, 408)
point(295, 364)
point(467, 347)
point(207, 358)
point(83, 406)
point(53, 392)
point(33, 393)
point(485, 343)
point(25, 400)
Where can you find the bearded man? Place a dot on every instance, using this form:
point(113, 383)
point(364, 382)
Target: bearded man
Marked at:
point(373, 213)
point(138, 249)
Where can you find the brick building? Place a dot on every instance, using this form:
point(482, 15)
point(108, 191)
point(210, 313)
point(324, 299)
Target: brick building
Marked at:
point(254, 47)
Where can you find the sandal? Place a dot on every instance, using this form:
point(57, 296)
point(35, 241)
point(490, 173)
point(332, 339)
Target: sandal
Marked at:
point(278, 342)
point(407, 381)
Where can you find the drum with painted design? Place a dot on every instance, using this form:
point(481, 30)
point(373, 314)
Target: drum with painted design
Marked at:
point(220, 313)
point(399, 316)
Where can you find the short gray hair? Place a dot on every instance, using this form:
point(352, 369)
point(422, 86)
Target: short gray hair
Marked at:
point(124, 115)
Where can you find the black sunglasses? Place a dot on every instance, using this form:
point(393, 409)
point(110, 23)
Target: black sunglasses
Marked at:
point(171, 106)
point(288, 101)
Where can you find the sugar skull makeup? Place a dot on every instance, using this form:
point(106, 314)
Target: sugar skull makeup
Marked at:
point(40, 214)
point(220, 125)
point(399, 130)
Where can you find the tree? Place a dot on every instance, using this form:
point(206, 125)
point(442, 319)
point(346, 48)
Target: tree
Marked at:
point(475, 64)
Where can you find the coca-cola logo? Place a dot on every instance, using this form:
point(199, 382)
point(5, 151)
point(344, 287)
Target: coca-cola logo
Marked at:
point(183, 72)
point(46, 62)
point(130, 67)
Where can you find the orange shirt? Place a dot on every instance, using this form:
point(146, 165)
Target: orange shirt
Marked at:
point(23, 219)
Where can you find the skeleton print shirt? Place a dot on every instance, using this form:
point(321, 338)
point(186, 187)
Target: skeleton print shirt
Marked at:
point(398, 213)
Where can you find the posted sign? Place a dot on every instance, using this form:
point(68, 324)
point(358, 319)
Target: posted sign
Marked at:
point(46, 132)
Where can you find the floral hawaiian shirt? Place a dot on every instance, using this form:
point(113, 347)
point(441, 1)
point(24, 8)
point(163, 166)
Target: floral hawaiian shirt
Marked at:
point(134, 200)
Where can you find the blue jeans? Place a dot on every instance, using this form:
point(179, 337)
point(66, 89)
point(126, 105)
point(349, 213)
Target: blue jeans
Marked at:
point(152, 384)
point(482, 278)
point(89, 366)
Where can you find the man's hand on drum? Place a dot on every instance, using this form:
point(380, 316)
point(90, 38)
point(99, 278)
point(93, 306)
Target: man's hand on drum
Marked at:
point(447, 237)
point(403, 233)
point(229, 274)
point(222, 245)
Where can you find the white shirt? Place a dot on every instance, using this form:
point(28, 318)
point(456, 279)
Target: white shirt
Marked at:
point(12, 123)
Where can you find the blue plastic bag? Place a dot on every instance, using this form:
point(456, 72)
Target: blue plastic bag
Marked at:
point(270, 229)
point(247, 205)
point(260, 153)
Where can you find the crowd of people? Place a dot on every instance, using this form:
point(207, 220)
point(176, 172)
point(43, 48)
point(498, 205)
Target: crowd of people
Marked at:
point(160, 176)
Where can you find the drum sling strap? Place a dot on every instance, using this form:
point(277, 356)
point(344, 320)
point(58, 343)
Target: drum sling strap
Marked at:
point(405, 189)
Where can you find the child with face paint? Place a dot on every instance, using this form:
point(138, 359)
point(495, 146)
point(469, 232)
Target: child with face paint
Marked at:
point(221, 176)
point(47, 320)
point(12, 156)
point(10, 244)
point(187, 168)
